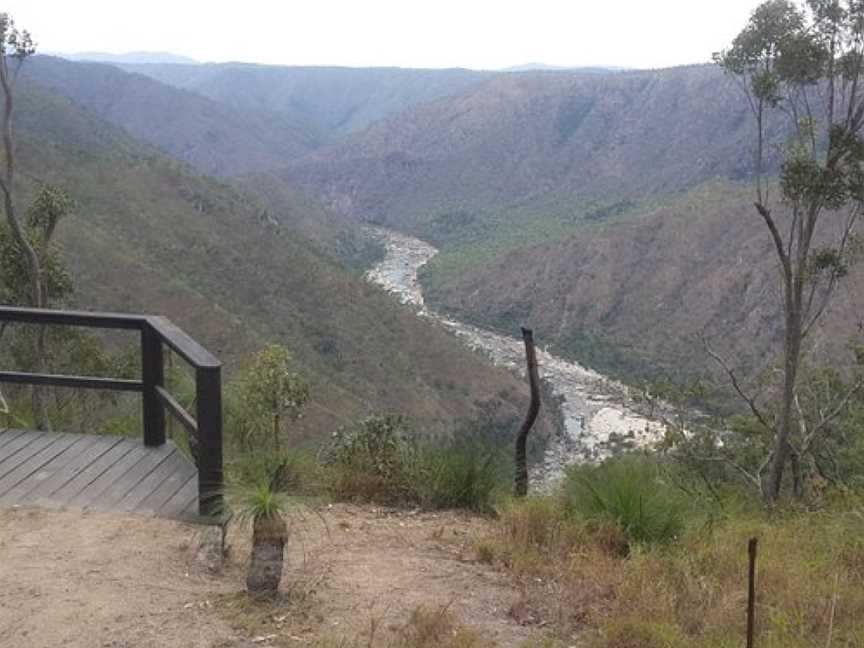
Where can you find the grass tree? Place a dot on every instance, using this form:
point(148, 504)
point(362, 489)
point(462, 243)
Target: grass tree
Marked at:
point(803, 65)
point(265, 509)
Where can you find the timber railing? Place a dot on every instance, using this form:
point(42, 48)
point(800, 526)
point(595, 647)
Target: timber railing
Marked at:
point(204, 429)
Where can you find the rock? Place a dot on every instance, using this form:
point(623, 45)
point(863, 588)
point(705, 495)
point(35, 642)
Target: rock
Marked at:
point(211, 547)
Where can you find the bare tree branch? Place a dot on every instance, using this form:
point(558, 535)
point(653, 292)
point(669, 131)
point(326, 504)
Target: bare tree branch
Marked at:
point(751, 402)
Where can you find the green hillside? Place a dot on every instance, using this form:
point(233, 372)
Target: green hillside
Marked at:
point(212, 136)
point(151, 235)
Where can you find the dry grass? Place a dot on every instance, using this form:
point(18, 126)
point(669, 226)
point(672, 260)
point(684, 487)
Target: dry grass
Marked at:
point(427, 626)
point(693, 592)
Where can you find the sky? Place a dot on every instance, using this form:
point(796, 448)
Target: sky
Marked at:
point(476, 34)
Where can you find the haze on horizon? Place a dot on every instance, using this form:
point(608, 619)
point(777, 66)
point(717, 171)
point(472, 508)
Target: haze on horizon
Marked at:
point(447, 33)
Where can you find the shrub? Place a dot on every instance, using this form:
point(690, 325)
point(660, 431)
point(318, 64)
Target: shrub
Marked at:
point(464, 474)
point(630, 492)
point(290, 471)
point(370, 461)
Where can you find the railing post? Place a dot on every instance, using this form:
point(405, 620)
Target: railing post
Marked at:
point(152, 375)
point(209, 402)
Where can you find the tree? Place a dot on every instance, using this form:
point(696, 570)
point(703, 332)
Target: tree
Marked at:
point(270, 395)
point(803, 64)
point(50, 205)
point(265, 508)
point(16, 46)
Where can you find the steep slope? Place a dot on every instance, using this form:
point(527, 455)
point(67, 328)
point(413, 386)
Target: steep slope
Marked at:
point(150, 235)
point(537, 137)
point(635, 297)
point(211, 136)
point(335, 101)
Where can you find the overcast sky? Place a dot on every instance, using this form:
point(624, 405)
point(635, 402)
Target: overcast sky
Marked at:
point(433, 33)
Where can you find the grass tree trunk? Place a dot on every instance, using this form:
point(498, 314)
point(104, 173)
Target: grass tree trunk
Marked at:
point(269, 535)
point(520, 484)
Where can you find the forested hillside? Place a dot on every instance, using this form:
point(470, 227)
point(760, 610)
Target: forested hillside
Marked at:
point(213, 137)
point(635, 296)
point(150, 234)
point(565, 137)
point(608, 209)
point(333, 101)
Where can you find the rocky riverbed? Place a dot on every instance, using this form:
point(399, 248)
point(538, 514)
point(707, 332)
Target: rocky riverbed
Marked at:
point(599, 418)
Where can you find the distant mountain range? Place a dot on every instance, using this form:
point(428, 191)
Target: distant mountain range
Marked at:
point(128, 57)
point(543, 67)
point(606, 208)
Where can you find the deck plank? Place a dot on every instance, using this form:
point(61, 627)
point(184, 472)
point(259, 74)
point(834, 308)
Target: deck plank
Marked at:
point(122, 476)
point(92, 472)
point(52, 469)
point(135, 479)
point(54, 445)
point(171, 473)
point(44, 464)
point(7, 435)
point(171, 486)
point(183, 499)
point(19, 450)
point(64, 469)
point(93, 490)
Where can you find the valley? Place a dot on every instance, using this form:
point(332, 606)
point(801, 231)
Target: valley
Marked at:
point(359, 229)
point(598, 417)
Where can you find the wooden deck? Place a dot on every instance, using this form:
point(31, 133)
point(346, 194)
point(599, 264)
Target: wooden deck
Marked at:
point(104, 473)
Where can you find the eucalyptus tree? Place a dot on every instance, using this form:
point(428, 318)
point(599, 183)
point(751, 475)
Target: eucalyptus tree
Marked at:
point(15, 47)
point(802, 64)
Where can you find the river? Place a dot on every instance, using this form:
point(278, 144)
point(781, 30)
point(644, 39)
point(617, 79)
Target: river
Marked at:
point(599, 417)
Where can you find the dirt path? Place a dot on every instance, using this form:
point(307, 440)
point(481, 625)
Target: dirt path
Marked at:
point(89, 580)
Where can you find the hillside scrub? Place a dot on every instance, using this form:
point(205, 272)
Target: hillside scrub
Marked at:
point(583, 568)
point(379, 460)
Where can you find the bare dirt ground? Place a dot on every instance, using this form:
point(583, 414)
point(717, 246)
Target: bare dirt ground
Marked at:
point(354, 575)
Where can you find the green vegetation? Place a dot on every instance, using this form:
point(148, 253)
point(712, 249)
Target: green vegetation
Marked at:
point(268, 396)
point(379, 460)
point(149, 234)
point(789, 59)
point(592, 275)
point(628, 493)
point(463, 473)
point(470, 240)
point(687, 588)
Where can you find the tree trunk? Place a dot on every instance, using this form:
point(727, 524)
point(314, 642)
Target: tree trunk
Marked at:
point(797, 475)
point(773, 483)
point(520, 485)
point(40, 411)
point(269, 535)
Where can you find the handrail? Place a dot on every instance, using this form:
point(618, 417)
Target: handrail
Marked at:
point(205, 428)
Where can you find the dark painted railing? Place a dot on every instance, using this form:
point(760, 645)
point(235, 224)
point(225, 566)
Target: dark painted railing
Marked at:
point(204, 429)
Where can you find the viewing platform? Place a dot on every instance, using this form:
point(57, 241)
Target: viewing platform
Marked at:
point(150, 476)
point(98, 472)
